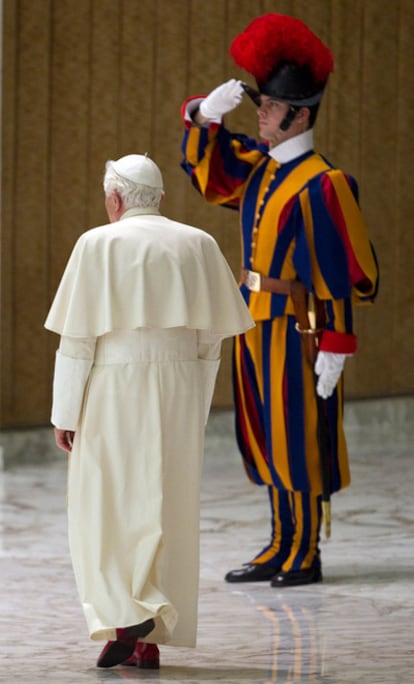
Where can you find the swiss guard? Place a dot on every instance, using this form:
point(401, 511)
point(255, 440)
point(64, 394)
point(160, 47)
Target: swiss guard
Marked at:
point(306, 259)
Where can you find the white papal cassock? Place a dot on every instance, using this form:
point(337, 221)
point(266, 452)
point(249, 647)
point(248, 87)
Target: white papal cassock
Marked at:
point(142, 308)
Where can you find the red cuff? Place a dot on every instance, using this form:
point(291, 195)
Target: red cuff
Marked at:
point(184, 107)
point(338, 343)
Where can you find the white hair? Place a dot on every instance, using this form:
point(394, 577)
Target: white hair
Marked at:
point(132, 194)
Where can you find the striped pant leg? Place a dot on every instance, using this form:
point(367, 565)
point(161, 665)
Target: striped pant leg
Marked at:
point(282, 529)
point(307, 520)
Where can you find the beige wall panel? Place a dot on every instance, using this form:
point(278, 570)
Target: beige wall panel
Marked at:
point(279, 6)
point(89, 80)
point(207, 65)
point(170, 64)
point(400, 231)
point(239, 13)
point(206, 62)
point(68, 156)
point(344, 115)
point(340, 140)
point(317, 15)
point(378, 190)
point(9, 116)
point(24, 393)
point(137, 74)
point(69, 131)
point(103, 115)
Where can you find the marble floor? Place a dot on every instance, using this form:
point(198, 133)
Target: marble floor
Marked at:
point(356, 626)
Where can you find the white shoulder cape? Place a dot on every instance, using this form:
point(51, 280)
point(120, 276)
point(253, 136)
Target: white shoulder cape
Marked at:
point(147, 271)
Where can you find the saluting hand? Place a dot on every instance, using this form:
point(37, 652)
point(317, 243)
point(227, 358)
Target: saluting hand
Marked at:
point(221, 100)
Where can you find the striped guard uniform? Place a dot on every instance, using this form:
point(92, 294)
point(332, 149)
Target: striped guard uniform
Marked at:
point(299, 218)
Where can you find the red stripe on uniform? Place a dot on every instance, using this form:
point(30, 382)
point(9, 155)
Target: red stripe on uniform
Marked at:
point(335, 211)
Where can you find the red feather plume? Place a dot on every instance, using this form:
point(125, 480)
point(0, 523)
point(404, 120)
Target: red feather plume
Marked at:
point(274, 38)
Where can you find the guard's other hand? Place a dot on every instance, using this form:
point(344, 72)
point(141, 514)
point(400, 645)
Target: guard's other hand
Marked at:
point(221, 100)
point(329, 367)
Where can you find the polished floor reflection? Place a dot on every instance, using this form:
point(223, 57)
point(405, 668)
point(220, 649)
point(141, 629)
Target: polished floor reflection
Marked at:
point(357, 626)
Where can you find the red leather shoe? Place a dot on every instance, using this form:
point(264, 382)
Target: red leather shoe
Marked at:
point(115, 652)
point(145, 656)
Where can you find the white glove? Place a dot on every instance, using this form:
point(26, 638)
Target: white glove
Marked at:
point(221, 100)
point(329, 367)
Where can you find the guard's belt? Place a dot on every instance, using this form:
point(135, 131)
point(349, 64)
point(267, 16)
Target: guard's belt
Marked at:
point(256, 282)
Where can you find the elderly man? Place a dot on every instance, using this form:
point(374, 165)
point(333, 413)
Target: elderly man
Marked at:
point(304, 247)
point(142, 308)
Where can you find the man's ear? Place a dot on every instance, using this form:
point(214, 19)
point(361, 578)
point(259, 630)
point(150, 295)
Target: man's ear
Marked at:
point(303, 114)
point(117, 200)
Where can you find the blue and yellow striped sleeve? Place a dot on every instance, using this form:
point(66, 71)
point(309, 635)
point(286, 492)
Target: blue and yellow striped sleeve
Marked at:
point(338, 263)
point(218, 162)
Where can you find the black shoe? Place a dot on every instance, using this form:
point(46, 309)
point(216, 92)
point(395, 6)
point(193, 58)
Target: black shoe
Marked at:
point(252, 572)
point(294, 578)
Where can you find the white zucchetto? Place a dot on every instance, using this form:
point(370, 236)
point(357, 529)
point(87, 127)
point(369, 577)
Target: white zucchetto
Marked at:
point(139, 168)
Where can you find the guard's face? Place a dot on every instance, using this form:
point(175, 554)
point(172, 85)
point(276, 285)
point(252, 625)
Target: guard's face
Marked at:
point(271, 114)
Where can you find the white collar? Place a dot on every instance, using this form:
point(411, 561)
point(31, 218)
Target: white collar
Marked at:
point(137, 211)
point(293, 147)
